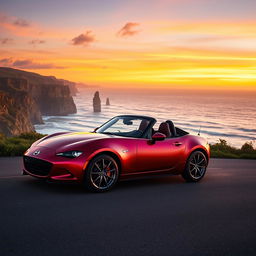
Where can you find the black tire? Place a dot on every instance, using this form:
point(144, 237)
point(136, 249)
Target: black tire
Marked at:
point(195, 167)
point(101, 174)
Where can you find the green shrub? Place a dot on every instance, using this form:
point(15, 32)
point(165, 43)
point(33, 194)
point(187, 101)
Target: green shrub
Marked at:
point(222, 149)
point(31, 136)
point(16, 146)
point(221, 154)
point(247, 147)
point(248, 155)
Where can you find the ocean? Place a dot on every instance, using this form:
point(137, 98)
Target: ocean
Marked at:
point(219, 114)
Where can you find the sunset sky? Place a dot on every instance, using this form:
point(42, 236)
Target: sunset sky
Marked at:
point(127, 43)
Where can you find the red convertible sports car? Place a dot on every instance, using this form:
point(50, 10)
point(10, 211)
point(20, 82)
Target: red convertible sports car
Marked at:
point(126, 146)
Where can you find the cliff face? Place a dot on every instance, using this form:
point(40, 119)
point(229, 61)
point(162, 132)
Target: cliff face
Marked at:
point(16, 91)
point(25, 97)
point(53, 99)
point(36, 79)
point(14, 119)
point(71, 85)
point(52, 95)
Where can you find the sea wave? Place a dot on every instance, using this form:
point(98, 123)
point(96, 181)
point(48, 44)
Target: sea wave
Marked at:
point(231, 119)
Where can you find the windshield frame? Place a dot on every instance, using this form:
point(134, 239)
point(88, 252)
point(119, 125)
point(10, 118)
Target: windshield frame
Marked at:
point(145, 134)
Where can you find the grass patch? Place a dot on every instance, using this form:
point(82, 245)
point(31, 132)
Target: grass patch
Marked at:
point(16, 146)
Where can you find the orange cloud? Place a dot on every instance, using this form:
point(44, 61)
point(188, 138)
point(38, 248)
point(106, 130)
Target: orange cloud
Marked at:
point(128, 29)
point(6, 62)
point(21, 23)
point(83, 39)
point(17, 26)
point(27, 64)
point(36, 42)
point(6, 41)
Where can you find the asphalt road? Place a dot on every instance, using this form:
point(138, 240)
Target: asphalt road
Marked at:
point(162, 216)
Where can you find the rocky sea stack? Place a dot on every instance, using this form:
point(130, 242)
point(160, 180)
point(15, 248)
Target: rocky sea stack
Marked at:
point(96, 102)
point(26, 96)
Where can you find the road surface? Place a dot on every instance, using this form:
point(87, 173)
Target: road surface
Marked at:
point(161, 216)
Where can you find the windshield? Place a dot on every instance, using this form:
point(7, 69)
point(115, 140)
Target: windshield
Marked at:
point(127, 126)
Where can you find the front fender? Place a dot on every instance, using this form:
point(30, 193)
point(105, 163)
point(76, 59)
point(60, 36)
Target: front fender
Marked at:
point(100, 151)
point(124, 149)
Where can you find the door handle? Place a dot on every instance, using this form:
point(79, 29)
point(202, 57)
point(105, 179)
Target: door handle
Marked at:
point(177, 143)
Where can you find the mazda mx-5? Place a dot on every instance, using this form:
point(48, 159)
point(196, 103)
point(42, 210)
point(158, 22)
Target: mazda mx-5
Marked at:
point(126, 146)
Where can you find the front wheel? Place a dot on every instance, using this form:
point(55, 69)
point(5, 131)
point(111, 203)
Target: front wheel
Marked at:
point(195, 167)
point(102, 173)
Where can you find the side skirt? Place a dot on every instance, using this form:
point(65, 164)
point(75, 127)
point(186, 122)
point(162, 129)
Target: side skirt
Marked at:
point(148, 174)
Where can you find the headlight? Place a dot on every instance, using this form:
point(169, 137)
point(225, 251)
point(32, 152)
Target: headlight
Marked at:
point(70, 154)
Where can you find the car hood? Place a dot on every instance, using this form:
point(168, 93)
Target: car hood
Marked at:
point(57, 141)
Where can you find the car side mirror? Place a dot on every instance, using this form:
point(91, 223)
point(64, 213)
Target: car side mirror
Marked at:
point(158, 136)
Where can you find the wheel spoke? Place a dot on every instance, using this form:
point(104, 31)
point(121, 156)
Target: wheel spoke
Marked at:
point(95, 173)
point(199, 172)
point(105, 179)
point(96, 178)
point(193, 170)
point(109, 164)
point(98, 167)
point(109, 177)
point(200, 161)
point(100, 180)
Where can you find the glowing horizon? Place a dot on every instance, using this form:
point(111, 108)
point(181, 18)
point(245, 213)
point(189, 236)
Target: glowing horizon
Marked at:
point(115, 45)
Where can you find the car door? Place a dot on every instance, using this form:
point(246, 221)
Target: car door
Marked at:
point(159, 155)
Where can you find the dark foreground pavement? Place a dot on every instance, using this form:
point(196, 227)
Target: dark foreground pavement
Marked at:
point(163, 216)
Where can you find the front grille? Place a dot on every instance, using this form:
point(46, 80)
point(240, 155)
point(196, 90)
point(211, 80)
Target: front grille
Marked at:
point(37, 166)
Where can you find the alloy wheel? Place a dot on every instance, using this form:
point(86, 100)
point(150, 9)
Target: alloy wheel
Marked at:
point(103, 173)
point(197, 165)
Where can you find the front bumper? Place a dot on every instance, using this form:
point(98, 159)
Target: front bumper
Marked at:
point(52, 167)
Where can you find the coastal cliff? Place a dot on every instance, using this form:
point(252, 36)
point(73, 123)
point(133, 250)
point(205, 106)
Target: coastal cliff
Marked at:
point(26, 96)
point(14, 119)
point(71, 85)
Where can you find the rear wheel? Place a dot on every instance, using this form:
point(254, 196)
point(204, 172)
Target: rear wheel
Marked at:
point(195, 167)
point(102, 173)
